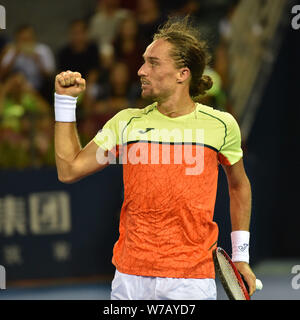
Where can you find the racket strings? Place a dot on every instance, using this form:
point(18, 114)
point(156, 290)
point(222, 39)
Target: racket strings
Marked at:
point(230, 278)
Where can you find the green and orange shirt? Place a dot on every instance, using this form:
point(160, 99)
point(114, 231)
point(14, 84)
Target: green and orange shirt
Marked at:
point(170, 173)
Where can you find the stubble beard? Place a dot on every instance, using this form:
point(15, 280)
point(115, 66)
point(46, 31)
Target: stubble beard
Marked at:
point(152, 97)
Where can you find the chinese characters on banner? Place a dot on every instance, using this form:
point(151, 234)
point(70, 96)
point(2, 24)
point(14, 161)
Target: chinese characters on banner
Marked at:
point(39, 214)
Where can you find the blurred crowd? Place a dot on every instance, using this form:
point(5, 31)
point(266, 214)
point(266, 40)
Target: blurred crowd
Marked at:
point(107, 50)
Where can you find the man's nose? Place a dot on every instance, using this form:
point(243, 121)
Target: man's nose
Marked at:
point(141, 71)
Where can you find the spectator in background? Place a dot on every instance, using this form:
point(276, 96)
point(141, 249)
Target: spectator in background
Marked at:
point(221, 53)
point(128, 47)
point(3, 41)
point(25, 55)
point(80, 53)
point(149, 18)
point(22, 111)
point(187, 7)
point(16, 91)
point(105, 23)
point(119, 93)
point(43, 143)
point(128, 4)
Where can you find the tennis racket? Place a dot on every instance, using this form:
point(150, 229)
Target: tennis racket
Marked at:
point(235, 287)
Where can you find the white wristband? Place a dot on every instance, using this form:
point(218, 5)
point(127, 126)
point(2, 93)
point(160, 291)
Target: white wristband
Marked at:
point(65, 108)
point(240, 246)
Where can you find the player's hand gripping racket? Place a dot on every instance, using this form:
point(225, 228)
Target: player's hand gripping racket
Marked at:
point(233, 284)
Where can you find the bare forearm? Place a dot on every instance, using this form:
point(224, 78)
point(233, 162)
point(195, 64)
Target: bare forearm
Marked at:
point(67, 147)
point(73, 162)
point(240, 206)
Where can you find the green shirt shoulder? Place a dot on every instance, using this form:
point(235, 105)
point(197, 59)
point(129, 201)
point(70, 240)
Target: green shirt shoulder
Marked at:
point(111, 133)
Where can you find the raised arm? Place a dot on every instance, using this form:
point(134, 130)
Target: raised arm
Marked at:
point(72, 161)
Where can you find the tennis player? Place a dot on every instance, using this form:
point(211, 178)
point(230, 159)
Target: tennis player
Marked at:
point(171, 151)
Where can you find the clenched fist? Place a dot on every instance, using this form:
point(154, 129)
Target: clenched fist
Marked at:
point(69, 83)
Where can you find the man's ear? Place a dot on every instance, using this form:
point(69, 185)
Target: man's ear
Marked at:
point(183, 74)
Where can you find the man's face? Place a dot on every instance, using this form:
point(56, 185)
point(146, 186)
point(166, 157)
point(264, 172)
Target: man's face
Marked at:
point(26, 37)
point(158, 73)
point(78, 34)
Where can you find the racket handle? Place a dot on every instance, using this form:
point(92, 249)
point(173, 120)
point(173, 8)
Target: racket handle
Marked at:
point(259, 284)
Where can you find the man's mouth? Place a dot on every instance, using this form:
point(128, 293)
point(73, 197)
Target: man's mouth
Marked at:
point(144, 82)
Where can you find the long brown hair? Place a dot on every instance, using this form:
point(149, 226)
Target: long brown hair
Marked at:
point(187, 51)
